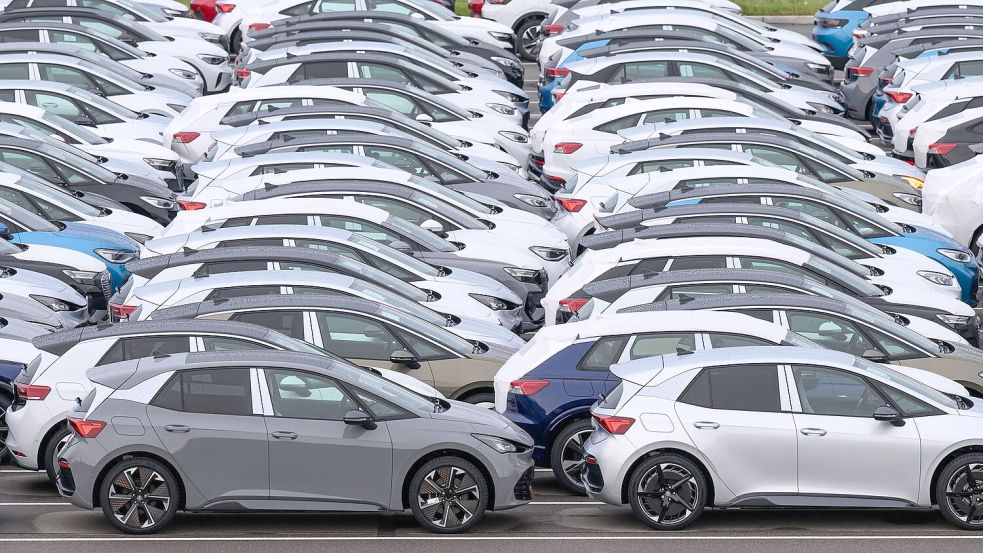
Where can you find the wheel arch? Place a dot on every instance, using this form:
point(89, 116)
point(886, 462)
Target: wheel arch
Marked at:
point(526, 17)
point(446, 451)
point(59, 424)
point(136, 454)
point(471, 389)
point(675, 449)
point(944, 460)
point(560, 423)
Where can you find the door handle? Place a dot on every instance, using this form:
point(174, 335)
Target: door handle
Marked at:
point(280, 435)
point(181, 428)
point(813, 432)
point(706, 425)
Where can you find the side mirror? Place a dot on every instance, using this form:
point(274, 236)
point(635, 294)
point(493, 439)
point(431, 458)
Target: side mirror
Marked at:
point(432, 226)
point(294, 385)
point(885, 413)
point(5, 231)
point(402, 357)
point(831, 330)
point(359, 418)
point(874, 355)
point(417, 15)
point(85, 122)
point(424, 118)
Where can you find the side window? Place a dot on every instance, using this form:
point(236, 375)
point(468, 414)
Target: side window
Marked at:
point(833, 392)
point(403, 210)
point(380, 408)
point(290, 323)
point(603, 354)
point(665, 116)
point(765, 315)
point(640, 71)
point(909, 406)
point(31, 163)
point(770, 265)
point(148, 346)
point(357, 337)
point(621, 123)
point(326, 70)
point(240, 108)
point(208, 391)
point(778, 157)
point(402, 160)
point(8, 96)
point(299, 9)
point(389, 6)
point(971, 68)
point(15, 71)
point(105, 28)
point(250, 242)
point(893, 347)
point(383, 72)
point(694, 291)
point(242, 291)
point(817, 210)
point(423, 349)
point(224, 267)
point(67, 75)
point(18, 198)
point(718, 340)
point(662, 343)
point(657, 166)
point(736, 388)
point(699, 70)
point(280, 168)
point(301, 395)
point(698, 262)
point(324, 6)
point(58, 105)
point(22, 35)
point(114, 355)
point(222, 343)
point(362, 228)
point(292, 219)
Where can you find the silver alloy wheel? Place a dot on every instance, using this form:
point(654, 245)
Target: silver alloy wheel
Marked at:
point(4, 429)
point(449, 497)
point(58, 447)
point(139, 497)
point(531, 40)
point(572, 456)
point(668, 494)
point(964, 493)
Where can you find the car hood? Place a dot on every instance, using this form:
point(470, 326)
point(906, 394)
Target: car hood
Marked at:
point(485, 245)
point(487, 333)
point(482, 418)
point(23, 283)
point(104, 238)
point(46, 247)
point(903, 293)
point(450, 288)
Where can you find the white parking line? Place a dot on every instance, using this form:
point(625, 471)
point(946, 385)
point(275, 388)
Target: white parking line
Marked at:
point(33, 503)
point(566, 503)
point(673, 537)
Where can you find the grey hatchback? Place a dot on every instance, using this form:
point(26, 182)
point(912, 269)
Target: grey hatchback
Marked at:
point(280, 431)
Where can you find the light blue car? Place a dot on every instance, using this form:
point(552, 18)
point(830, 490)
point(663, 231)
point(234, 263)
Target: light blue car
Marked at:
point(834, 24)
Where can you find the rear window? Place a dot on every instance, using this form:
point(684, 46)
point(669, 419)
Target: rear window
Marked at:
point(207, 391)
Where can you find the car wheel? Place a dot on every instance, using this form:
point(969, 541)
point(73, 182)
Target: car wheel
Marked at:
point(139, 496)
point(448, 495)
point(567, 455)
point(5, 401)
point(53, 448)
point(482, 399)
point(667, 492)
point(959, 491)
point(528, 39)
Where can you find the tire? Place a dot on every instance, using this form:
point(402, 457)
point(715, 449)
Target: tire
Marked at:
point(482, 399)
point(959, 491)
point(443, 491)
point(528, 39)
point(567, 455)
point(5, 401)
point(139, 496)
point(667, 492)
point(51, 449)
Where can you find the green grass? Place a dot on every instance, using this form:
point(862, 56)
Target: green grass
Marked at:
point(750, 7)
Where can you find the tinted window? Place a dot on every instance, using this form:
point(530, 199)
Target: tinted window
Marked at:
point(603, 354)
point(145, 346)
point(379, 408)
point(290, 323)
point(326, 70)
point(15, 71)
point(735, 341)
point(698, 262)
point(662, 343)
point(223, 343)
point(656, 166)
point(213, 391)
point(619, 124)
point(641, 71)
point(833, 392)
point(691, 291)
point(698, 391)
point(909, 406)
point(242, 291)
point(829, 331)
point(357, 337)
point(744, 388)
point(301, 395)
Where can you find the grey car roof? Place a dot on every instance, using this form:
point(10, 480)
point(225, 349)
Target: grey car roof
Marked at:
point(610, 289)
point(679, 45)
point(657, 199)
point(907, 51)
point(60, 342)
point(633, 218)
point(883, 39)
point(887, 27)
point(243, 119)
point(354, 138)
point(344, 185)
point(267, 301)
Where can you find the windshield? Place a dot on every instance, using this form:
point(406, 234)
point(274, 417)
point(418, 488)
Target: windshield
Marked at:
point(383, 296)
point(52, 194)
point(410, 262)
point(6, 248)
point(906, 383)
point(385, 389)
point(105, 105)
point(420, 236)
point(450, 341)
point(80, 132)
point(95, 63)
point(86, 164)
point(25, 218)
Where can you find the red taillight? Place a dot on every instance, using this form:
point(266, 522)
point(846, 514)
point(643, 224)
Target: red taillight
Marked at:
point(614, 425)
point(557, 182)
point(258, 26)
point(572, 205)
point(886, 81)
point(62, 464)
point(884, 122)
point(530, 387)
point(203, 8)
point(31, 392)
point(941, 148)
point(566, 147)
point(188, 205)
point(225, 8)
point(557, 72)
point(573, 305)
point(550, 30)
point(912, 132)
point(185, 137)
point(476, 6)
point(243, 73)
point(121, 311)
point(86, 429)
point(860, 71)
point(538, 161)
point(899, 97)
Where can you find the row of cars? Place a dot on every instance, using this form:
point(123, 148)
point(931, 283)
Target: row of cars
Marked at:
point(337, 256)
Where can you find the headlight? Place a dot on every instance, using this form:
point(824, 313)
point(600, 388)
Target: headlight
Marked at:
point(500, 445)
point(501, 108)
point(549, 254)
point(915, 182)
point(832, 23)
point(941, 279)
point(910, 199)
point(213, 60)
point(820, 108)
point(116, 256)
point(82, 277)
point(514, 98)
point(211, 37)
point(53, 304)
point(955, 255)
point(818, 67)
point(524, 275)
point(506, 37)
point(507, 62)
point(515, 136)
point(159, 163)
point(492, 303)
point(183, 73)
point(159, 203)
point(177, 107)
point(138, 238)
point(535, 201)
point(953, 320)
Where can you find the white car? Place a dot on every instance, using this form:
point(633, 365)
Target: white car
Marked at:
point(738, 249)
point(784, 427)
point(929, 139)
point(953, 199)
point(929, 101)
point(188, 133)
point(63, 301)
point(524, 17)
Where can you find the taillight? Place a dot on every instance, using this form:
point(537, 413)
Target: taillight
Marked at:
point(573, 305)
point(527, 387)
point(912, 132)
point(31, 392)
point(86, 429)
point(185, 137)
point(557, 72)
point(572, 205)
point(225, 8)
point(121, 311)
point(886, 80)
point(613, 425)
point(476, 6)
point(566, 147)
point(243, 74)
point(558, 182)
point(550, 30)
point(941, 148)
point(898, 97)
point(187, 205)
point(258, 26)
point(859, 71)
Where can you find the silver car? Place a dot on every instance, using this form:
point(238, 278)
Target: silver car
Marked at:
point(283, 432)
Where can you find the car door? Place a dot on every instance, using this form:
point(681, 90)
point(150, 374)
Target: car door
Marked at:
point(205, 419)
point(843, 451)
point(739, 418)
point(314, 454)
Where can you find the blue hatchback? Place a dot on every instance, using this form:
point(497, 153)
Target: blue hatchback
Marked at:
point(833, 30)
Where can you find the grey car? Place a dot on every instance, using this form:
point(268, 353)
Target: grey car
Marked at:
point(278, 431)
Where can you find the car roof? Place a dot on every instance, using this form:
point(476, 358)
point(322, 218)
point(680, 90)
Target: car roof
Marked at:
point(648, 322)
point(647, 201)
point(246, 118)
point(347, 138)
point(269, 301)
point(151, 266)
point(342, 185)
point(610, 289)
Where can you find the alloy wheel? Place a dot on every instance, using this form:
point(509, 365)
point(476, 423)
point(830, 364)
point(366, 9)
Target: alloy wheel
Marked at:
point(572, 455)
point(531, 40)
point(4, 430)
point(449, 497)
point(139, 497)
point(964, 493)
point(668, 493)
